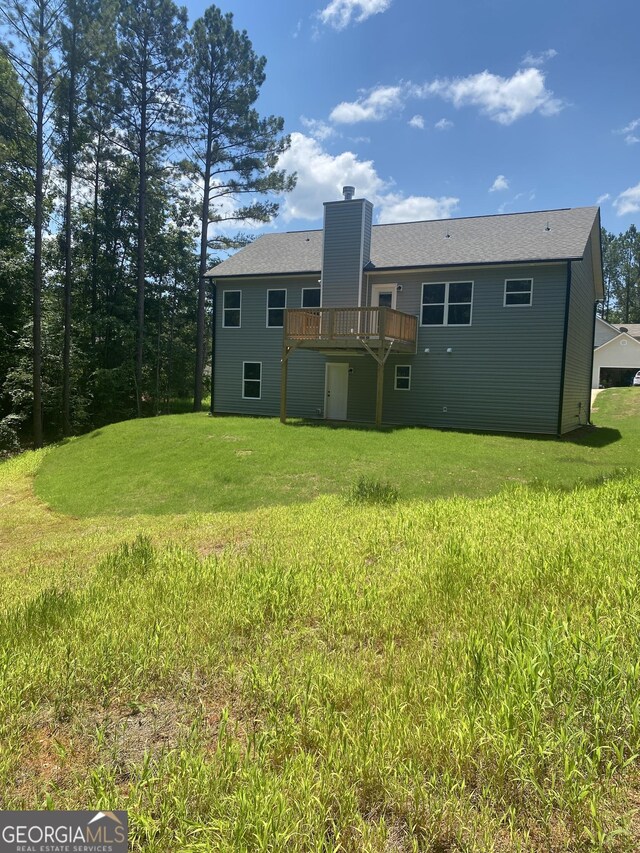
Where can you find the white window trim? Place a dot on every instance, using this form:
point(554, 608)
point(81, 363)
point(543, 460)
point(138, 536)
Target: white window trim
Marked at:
point(259, 397)
point(395, 378)
point(302, 305)
point(446, 305)
point(224, 310)
point(275, 290)
point(504, 300)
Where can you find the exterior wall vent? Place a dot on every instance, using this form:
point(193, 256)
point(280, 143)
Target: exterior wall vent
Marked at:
point(348, 193)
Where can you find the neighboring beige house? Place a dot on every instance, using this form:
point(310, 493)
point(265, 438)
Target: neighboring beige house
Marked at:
point(616, 357)
point(632, 328)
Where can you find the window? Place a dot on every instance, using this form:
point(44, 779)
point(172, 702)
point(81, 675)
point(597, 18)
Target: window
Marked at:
point(447, 303)
point(518, 291)
point(231, 300)
point(251, 380)
point(276, 303)
point(403, 377)
point(310, 297)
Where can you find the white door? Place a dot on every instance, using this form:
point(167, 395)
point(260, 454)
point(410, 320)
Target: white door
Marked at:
point(383, 295)
point(336, 387)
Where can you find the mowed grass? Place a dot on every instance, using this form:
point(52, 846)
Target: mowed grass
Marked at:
point(442, 675)
point(194, 463)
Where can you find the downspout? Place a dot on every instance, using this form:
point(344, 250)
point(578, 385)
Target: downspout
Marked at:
point(564, 347)
point(213, 343)
point(361, 268)
point(593, 355)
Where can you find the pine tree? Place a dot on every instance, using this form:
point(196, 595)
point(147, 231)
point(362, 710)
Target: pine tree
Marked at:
point(35, 33)
point(234, 151)
point(150, 50)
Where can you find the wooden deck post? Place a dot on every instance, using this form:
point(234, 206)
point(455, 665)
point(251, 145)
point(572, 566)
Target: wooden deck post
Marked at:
point(379, 389)
point(283, 384)
point(382, 322)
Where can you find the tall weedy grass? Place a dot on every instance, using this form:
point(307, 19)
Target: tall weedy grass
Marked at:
point(454, 675)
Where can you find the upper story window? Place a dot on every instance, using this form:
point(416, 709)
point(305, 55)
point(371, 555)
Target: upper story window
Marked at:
point(231, 302)
point(310, 297)
point(447, 303)
point(518, 291)
point(276, 303)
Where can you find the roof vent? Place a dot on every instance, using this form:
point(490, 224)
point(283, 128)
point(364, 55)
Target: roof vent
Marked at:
point(623, 328)
point(547, 227)
point(348, 193)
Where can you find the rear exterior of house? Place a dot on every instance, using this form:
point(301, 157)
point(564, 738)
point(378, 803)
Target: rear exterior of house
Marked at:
point(484, 323)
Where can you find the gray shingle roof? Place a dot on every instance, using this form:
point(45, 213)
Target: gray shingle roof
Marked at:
point(516, 237)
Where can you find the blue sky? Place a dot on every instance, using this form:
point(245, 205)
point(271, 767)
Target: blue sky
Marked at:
point(452, 108)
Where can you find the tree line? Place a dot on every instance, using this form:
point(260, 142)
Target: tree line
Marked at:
point(125, 138)
point(621, 269)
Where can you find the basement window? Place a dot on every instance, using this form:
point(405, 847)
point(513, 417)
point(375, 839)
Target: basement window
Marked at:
point(251, 380)
point(276, 303)
point(447, 303)
point(402, 378)
point(518, 291)
point(231, 302)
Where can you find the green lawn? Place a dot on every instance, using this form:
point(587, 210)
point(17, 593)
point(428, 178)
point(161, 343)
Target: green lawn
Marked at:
point(194, 463)
point(456, 674)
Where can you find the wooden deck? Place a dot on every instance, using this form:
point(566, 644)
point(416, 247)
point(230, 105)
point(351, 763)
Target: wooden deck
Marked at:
point(350, 328)
point(379, 331)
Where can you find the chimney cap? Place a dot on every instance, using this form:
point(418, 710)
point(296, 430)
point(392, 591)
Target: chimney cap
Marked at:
point(348, 192)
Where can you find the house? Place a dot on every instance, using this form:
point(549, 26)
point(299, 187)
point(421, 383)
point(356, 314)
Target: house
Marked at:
point(480, 323)
point(616, 357)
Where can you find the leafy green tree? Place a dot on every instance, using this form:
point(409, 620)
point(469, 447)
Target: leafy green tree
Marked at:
point(233, 151)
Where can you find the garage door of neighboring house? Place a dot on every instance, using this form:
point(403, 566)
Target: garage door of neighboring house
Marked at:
point(616, 362)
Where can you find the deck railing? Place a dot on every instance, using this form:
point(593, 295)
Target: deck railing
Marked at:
point(334, 324)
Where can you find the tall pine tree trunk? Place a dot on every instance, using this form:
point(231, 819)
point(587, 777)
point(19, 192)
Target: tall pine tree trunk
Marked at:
point(142, 211)
point(37, 251)
point(66, 352)
point(202, 282)
point(94, 243)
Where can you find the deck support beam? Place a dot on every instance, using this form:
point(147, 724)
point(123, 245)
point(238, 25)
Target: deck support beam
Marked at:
point(283, 385)
point(287, 350)
point(379, 391)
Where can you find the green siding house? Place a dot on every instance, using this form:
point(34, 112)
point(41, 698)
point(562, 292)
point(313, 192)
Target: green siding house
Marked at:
point(482, 323)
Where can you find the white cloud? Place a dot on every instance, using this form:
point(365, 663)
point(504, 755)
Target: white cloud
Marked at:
point(538, 59)
point(377, 105)
point(321, 177)
point(417, 121)
point(503, 99)
point(628, 132)
point(500, 183)
point(628, 201)
point(297, 30)
point(317, 129)
point(396, 208)
point(602, 198)
point(443, 124)
point(339, 13)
